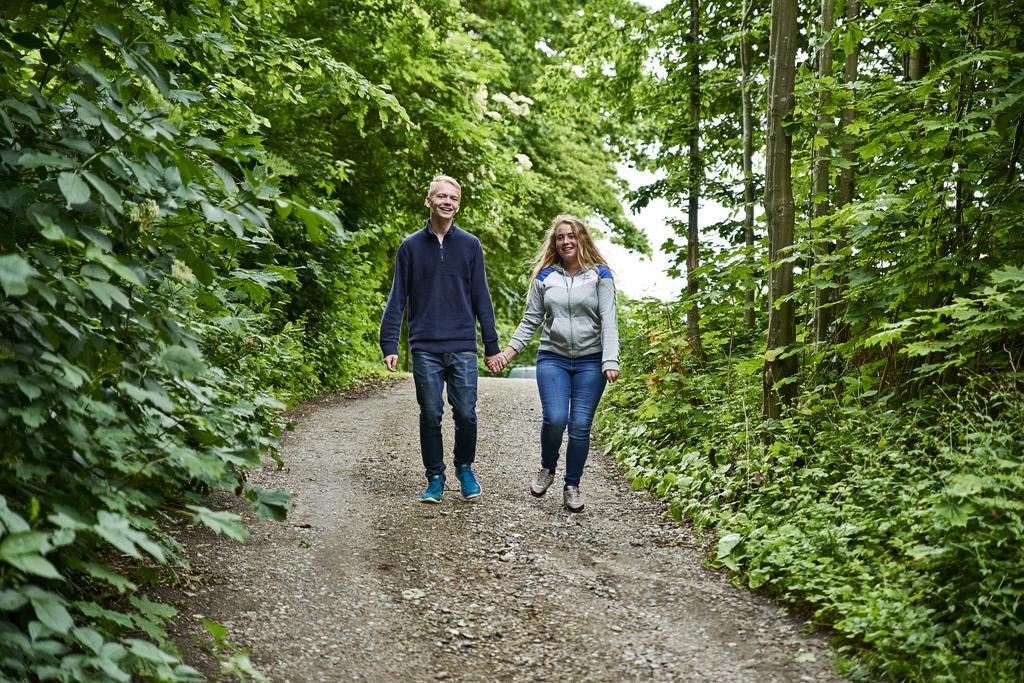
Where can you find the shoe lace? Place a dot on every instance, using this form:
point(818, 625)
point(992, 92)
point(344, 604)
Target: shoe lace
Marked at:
point(466, 476)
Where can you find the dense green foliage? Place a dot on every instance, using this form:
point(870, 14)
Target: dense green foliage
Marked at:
point(199, 204)
point(888, 495)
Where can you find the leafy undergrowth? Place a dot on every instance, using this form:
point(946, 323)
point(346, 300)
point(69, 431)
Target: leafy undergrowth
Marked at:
point(899, 523)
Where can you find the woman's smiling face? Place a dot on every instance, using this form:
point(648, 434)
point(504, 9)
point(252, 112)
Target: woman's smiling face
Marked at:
point(565, 242)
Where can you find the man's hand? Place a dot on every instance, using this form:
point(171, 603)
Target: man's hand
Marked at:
point(391, 362)
point(611, 375)
point(496, 363)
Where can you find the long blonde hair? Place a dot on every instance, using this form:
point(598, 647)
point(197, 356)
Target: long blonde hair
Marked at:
point(587, 252)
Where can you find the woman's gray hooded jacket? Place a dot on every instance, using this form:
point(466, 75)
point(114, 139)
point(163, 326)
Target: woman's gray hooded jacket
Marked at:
point(577, 313)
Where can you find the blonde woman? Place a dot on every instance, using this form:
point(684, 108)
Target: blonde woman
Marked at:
point(572, 301)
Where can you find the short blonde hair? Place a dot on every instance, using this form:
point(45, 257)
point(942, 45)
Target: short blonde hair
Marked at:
point(442, 179)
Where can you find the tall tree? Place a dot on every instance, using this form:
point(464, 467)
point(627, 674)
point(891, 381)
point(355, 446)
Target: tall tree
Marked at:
point(850, 67)
point(823, 294)
point(746, 56)
point(847, 173)
point(692, 226)
point(780, 367)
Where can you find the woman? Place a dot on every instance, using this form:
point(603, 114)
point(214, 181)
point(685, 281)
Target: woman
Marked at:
point(572, 295)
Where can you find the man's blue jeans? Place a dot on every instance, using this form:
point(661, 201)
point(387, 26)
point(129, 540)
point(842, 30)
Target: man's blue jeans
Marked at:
point(569, 391)
point(431, 372)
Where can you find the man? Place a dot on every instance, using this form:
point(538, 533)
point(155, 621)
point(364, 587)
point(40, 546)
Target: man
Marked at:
point(439, 272)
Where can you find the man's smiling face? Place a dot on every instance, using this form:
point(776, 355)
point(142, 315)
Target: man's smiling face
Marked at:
point(443, 201)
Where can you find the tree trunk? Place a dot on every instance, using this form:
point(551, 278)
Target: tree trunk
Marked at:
point(823, 247)
point(746, 56)
point(847, 175)
point(917, 63)
point(780, 373)
point(692, 232)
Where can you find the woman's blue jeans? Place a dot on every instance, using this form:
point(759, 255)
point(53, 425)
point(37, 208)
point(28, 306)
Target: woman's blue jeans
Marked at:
point(431, 372)
point(569, 391)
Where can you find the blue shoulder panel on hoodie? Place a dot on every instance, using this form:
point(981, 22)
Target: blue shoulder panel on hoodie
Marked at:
point(603, 272)
point(544, 273)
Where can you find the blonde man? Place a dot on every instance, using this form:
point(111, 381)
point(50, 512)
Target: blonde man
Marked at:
point(440, 278)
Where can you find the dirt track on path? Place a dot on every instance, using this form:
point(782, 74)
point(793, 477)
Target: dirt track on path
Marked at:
point(364, 583)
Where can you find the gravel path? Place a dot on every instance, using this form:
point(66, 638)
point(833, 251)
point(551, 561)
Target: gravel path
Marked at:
point(364, 583)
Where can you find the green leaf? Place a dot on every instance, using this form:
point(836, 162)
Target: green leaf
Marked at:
point(24, 542)
point(108, 664)
point(75, 190)
point(11, 600)
point(157, 611)
point(12, 520)
point(26, 110)
point(25, 550)
point(1007, 274)
point(221, 522)
point(15, 273)
point(108, 294)
point(115, 530)
point(109, 194)
point(183, 362)
point(962, 485)
point(35, 564)
point(53, 614)
point(158, 397)
point(269, 504)
point(37, 159)
point(67, 519)
point(29, 40)
point(146, 650)
point(91, 609)
point(98, 571)
point(88, 637)
point(113, 264)
point(727, 544)
point(955, 514)
point(218, 632)
point(30, 389)
point(50, 56)
point(108, 32)
point(203, 466)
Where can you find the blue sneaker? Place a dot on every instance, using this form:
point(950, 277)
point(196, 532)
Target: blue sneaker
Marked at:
point(467, 482)
point(434, 491)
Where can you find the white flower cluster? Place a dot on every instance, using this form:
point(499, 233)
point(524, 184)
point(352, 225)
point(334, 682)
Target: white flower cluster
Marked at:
point(144, 214)
point(180, 271)
point(524, 162)
point(516, 104)
point(481, 97)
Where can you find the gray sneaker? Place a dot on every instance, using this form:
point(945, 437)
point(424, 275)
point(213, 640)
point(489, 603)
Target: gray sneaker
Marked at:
point(572, 499)
point(542, 481)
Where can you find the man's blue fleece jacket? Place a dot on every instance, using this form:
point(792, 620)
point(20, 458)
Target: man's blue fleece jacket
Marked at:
point(445, 287)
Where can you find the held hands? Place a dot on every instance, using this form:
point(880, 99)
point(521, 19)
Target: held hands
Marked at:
point(611, 375)
point(496, 363)
point(500, 361)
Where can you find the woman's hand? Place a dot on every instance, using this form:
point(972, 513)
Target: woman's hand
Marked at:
point(611, 375)
point(496, 363)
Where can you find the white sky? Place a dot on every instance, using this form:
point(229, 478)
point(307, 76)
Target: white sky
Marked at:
point(639, 276)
